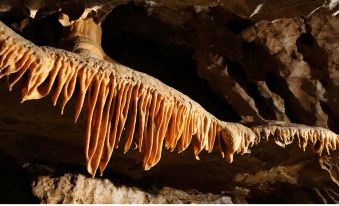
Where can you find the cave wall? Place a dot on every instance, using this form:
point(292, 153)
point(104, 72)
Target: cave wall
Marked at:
point(241, 60)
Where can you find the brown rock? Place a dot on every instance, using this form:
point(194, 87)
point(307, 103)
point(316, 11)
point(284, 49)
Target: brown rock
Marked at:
point(78, 189)
point(265, 60)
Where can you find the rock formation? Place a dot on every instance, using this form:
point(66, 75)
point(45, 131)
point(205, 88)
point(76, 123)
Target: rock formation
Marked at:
point(261, 66)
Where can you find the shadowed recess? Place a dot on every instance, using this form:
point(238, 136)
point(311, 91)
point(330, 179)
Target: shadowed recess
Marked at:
point(143, 43)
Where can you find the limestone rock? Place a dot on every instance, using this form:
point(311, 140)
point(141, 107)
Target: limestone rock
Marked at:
point(78, 189)
point(248, 61)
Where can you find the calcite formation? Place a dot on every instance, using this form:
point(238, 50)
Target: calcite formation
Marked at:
point(276, 74)
point(156, 110)
point(157, 114)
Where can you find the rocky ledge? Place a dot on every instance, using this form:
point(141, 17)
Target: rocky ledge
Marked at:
point(272, 66)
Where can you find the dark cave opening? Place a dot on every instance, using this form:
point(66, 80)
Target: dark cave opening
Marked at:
point(237, 24)
point(144, 43)
point(294, 111)
point(333, 119)
point(313, 54)
point(15, 182)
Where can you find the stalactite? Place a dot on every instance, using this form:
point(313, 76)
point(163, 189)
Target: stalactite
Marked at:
point(284, 134)
point(153, 115)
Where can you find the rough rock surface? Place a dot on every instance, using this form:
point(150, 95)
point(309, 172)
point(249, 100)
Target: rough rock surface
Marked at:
point(275, 69)
point(259, 60)
point(78, 189)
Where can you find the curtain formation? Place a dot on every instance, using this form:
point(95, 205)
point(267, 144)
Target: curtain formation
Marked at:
point(123, 105)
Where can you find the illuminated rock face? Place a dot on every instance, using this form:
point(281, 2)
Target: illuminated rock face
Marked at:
point(261, 67)
point(75, 188)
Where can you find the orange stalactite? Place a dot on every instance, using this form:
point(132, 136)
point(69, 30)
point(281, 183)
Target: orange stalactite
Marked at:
point(153, 114)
